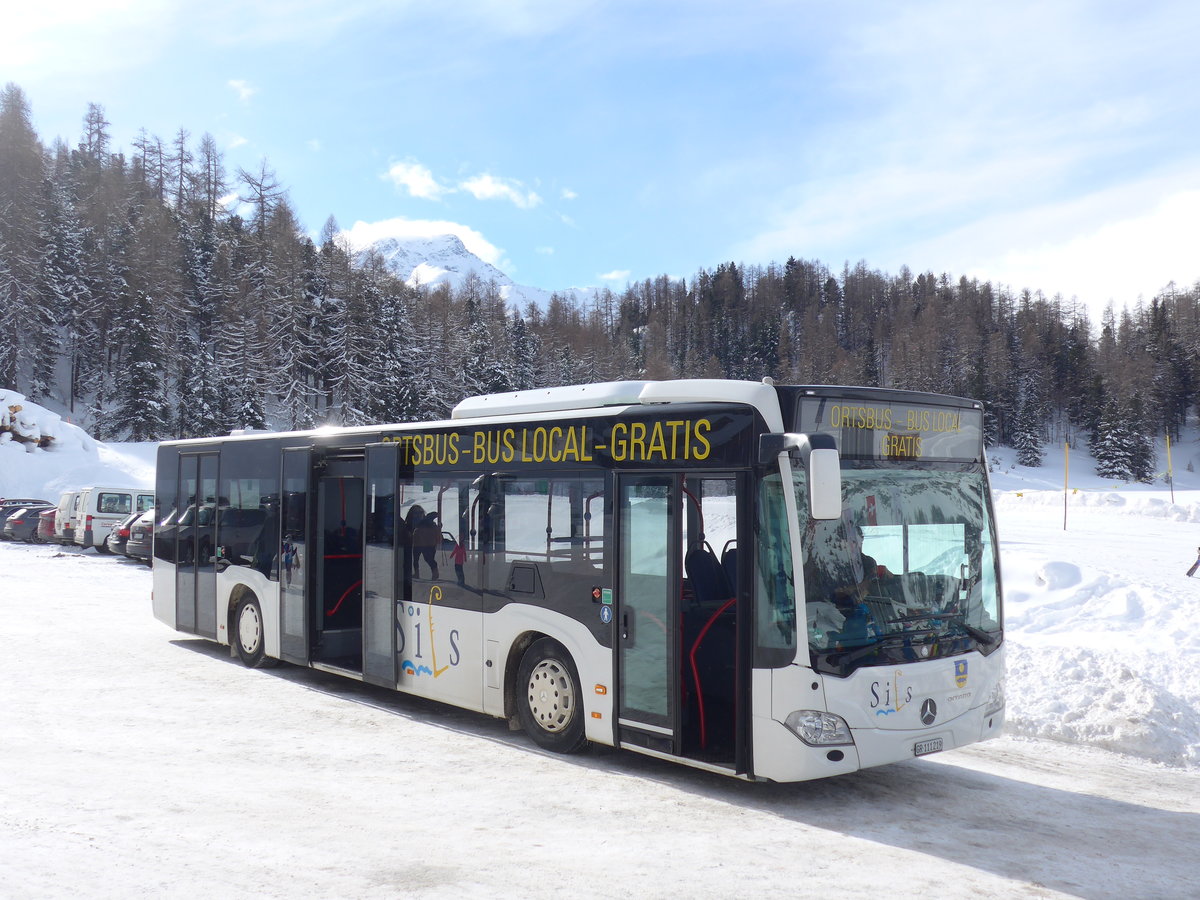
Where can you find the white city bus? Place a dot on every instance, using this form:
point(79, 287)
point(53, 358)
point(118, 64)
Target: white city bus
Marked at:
point(775, 583)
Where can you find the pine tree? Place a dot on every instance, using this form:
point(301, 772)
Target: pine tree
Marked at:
point(1113, 443)
point(60, 282)
point(21, 172)
point(140, 411)
point(1029, 423)
point(483, 371)
point(524, 352)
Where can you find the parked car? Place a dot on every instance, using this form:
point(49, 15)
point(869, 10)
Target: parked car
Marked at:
point(64, 521)
point(120, 534)
point(141, 537)
point(21, 524)
point(100, 509)
point(8, 506)
point(45, 529)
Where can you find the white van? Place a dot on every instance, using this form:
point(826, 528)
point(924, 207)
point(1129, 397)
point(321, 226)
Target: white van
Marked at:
point(64, 518)
point(100, 509)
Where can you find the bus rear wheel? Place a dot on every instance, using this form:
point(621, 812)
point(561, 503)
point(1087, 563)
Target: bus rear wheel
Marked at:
point(248, 633)
point(549, 701)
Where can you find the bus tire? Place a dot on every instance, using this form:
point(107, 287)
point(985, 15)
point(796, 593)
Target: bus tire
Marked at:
point(549, 699)
point(249, 638)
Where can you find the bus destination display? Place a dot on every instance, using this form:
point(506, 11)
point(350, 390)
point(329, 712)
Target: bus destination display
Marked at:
point(895, 431)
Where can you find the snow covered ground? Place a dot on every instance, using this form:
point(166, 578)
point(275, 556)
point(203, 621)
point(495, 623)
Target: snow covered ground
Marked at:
point(135, 761)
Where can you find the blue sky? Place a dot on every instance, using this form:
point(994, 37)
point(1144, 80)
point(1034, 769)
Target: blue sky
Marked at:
point(1049, 145)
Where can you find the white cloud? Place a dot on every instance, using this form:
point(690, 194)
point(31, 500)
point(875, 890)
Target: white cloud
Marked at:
point(1111, 254)
point(235, 141)
point(488, 187)
point(417, 180)
point(568, 194)
point(242, 88)
point(544, 251)
point(363, 234)
point(615, 275)
point(40, 39)
point(235, 205)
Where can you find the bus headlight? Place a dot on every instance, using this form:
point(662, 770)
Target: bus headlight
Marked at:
point(995, 700)
point(817, 728)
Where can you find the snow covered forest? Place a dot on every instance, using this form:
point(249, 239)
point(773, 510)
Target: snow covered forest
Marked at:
point(148, 293)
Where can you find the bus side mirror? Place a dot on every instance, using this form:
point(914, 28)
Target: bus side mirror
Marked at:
point(822, 467)
point(824, 482)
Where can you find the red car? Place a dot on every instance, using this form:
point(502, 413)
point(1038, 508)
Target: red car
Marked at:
point(45, 529)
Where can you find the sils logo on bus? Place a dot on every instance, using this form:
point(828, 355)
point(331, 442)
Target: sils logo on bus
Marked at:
point(422, 642)
point(888, 697)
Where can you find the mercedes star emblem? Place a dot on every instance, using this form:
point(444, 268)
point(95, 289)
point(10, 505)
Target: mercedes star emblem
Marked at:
point(928, 712)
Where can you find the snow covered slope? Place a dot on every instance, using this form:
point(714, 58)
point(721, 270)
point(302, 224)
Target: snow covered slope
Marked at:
point(69, 460)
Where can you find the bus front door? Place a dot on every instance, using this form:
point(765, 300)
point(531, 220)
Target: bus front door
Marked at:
point(647, 612)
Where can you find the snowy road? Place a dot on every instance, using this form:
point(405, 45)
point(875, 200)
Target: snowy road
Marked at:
point(137, 762)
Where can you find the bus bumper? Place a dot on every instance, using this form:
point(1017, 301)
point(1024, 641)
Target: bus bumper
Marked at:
point(779, 755)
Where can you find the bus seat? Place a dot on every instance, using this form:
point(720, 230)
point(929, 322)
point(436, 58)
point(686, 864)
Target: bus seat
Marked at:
point(729, 564)
point(707, 577)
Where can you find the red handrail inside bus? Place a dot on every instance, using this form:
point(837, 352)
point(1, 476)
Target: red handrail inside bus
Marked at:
point(696, 669)
point(338, 605)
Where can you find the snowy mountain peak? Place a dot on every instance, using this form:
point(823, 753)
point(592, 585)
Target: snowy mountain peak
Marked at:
point(435, 260)
point(444, 259)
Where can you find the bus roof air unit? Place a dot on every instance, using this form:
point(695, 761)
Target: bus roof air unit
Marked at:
point(584, 396)
point(624, 393)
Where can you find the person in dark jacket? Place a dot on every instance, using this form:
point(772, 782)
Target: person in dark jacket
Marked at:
point(426, 536)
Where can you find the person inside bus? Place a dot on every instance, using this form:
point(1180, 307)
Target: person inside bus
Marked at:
point(835, 566)
point(861, 569)
point(427, 535)
point(838, 577)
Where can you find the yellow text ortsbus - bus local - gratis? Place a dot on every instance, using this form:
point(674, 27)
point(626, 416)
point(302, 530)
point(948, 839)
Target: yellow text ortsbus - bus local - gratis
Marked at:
point(880, 418)
point(671, 440)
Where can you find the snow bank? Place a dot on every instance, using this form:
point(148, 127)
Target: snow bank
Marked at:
point(1100, 619)
point(34, 427)
point(1080, 695)
point(41, 455)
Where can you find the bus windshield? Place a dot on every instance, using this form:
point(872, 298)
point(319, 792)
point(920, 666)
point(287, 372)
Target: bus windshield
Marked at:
point(907, 573)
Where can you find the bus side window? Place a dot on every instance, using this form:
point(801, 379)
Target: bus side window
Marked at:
point(551, 526)
point(556, 521)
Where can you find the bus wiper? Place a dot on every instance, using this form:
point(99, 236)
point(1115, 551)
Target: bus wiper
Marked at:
point(959, 619)
point(979, 634)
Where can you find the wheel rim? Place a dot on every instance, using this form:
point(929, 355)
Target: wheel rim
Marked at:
point(551, 695)
point(249, 629)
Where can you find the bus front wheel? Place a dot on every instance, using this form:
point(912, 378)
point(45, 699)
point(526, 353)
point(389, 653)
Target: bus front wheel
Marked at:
point(549, 702)
point(248, 634)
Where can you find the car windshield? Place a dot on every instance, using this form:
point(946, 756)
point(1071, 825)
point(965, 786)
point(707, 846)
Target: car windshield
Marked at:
point(907, 573)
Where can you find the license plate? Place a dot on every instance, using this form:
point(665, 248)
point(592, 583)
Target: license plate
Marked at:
point(923, 748)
